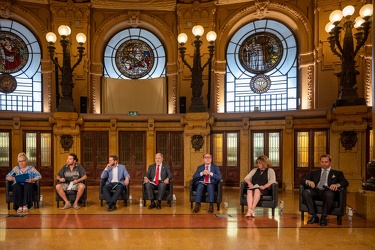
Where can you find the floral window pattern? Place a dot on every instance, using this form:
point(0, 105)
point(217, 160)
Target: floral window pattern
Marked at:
point(21, 78)
point(261, 72)
point(134, 54)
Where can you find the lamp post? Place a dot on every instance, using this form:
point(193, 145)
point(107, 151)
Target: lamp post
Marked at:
point(197, 69)
point(66, 102)
point(346, 52)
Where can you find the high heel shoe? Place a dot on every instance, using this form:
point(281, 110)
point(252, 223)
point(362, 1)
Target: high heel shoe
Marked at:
point(249, 213)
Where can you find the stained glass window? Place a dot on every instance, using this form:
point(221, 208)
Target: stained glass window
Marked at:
point(21, 78)
point(261, 68)
point(134, 54)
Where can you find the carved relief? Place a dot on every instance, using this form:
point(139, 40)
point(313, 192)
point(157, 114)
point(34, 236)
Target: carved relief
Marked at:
point(368, 85)
point(5, 10)
point(261, 8)
point(134, 18)
point(348, 139)
point(66, 142)
point(197, 142)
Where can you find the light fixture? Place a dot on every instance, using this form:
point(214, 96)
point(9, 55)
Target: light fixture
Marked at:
point(66, 100)
point(197, 69)
point(342, 20)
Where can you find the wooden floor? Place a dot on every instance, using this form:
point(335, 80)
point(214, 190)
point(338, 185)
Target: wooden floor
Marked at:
point(136, 227)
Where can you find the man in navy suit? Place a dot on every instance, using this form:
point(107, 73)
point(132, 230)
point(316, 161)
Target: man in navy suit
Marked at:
point(117, 179)
point(322, 183)
point(206, 177)
point(157, 177)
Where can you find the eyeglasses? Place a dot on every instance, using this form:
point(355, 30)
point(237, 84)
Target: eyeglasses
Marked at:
point(21, 161)
point(207, 157)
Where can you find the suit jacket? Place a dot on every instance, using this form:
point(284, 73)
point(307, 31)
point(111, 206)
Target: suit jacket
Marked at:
point(334, 177)
point(122, 174)
point(164, 174)
point(215, 178)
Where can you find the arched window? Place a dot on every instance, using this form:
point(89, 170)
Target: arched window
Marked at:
point(261, 68)
point(134, 54)
point(21, 78)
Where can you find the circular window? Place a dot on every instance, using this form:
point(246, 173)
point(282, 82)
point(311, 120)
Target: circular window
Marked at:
point(260, 52)
point(260, 84)
point(134, 58)
point(13, 51)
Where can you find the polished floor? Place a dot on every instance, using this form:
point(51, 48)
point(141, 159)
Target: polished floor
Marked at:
point(136, 227)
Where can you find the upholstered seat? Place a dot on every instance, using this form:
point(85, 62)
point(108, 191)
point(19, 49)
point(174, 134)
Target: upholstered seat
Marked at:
point(338, 206)
point(10, 198)
point(72, 194)
point(267, 201)
point(168, 195)
point(123, 196)
point(218, 194)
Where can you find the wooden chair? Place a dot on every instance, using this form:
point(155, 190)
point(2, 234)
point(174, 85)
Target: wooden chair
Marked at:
point(338, 207)
point(10, 198)
point(168, 195)
point(218, 194)
point(72, 194)
point(267, 201)
point(123, 196)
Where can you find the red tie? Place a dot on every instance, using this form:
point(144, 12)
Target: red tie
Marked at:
point(157, 175)
point(206, 178)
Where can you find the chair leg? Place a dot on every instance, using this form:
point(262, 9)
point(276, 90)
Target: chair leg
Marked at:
point(339, 220)
point(8, 205)
point(58, 204)
point(126, 202)
point(273, 212)
point(191, 205)
point(302, 216)
point(101, 203)
point(242, 208)
point(218, 206)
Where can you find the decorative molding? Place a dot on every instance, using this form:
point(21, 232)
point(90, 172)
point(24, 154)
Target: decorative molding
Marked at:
point(66, 142)
point(197, 142)
point(166, 5)
point(348, 139)
point(5, 9)
point(70, 10)
point(261, 8)
point(368, 84)
point(134, 18)
point(196, 11)
point(310, 87)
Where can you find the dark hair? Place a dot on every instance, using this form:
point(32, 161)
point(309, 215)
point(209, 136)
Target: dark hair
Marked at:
point(326, 155)
point(114, 157)
point(74, 156)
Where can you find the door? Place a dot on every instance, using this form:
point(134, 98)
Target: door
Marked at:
point(132, 153)
point(309, 146)
point(38, 147)
point(225, 150)
point(171, 145)
point(94, 154)
point(268, 143)
point(5, 153)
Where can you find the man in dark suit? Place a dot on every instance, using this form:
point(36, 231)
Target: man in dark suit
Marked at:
point(157, 177)
point(205, 178)
point(322, 183)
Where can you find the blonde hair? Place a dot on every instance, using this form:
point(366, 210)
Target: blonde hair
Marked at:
point(262, 159)
point(23, 156)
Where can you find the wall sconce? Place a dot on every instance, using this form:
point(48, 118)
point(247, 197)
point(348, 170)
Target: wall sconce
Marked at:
point(196, 71)
point(347, 77)
point(66, 101)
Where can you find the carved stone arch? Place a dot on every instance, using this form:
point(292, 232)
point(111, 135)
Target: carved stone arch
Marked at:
point(123, 21)
point(33, 23)
point(281, 12)
point(284, 13)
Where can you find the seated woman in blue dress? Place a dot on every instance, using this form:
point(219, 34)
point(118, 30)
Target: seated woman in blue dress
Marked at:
point(23, 192)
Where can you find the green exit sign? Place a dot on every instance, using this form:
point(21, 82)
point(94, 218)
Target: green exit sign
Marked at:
point(133, 113)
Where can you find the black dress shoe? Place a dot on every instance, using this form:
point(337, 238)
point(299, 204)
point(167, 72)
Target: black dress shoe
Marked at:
point(158, 206)
point(196, 208)
point(313, 220)
point(211, 209)
point(323, 222)
point(153, 205)
point(112, 208)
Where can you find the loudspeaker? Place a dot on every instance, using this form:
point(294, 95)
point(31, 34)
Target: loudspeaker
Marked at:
point(83, 104)
point(182, 104)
